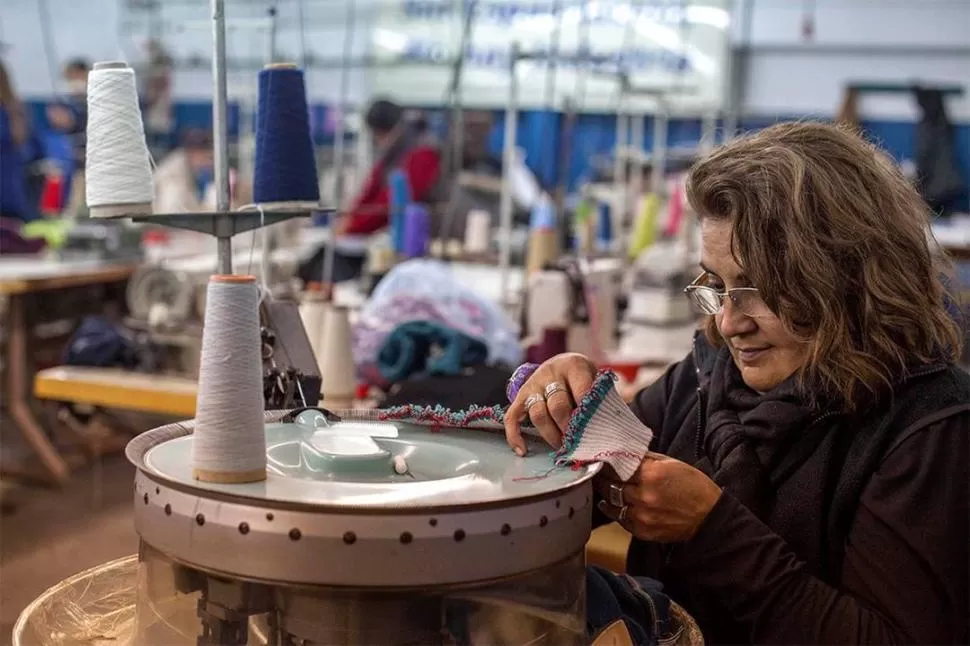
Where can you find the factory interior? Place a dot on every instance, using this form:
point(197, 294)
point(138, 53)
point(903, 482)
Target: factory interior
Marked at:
point(626, 322)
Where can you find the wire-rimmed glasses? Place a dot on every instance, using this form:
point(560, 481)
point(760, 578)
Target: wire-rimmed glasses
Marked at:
point(709, 301)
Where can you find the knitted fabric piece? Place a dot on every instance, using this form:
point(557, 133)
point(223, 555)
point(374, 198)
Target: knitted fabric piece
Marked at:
point(602, 428)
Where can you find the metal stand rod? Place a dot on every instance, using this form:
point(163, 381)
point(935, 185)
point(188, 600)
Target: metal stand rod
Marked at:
point(637, 125)
point(271, 38)
point(268, 234)
point(340, 132)
point(508, 161)
point(659, 148)
point(708, 132)
point(220, 131)
point(620, 205)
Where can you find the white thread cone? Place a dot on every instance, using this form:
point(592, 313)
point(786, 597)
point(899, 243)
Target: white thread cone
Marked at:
point(229, 443)
point(336, 360)
point(478, 232)
point(313, 310)
point(543, 249)
point(118, 175)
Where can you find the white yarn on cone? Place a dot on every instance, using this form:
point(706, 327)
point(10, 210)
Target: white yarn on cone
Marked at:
point(336, 359)
point(313, 311)
point(478, 232)
point(118, 174)
point(229, 444)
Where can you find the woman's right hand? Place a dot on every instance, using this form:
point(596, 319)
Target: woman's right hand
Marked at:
point(548, 398)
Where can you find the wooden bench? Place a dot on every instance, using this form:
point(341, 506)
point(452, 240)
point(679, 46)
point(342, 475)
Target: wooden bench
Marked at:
point(118, 389)
point(607, 547)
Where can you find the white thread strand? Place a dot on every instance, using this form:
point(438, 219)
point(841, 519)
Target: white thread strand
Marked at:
point(229, 435)
point(119, 166)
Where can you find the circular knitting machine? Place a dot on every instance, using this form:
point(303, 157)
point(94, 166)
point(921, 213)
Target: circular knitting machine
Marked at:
point(364, 532)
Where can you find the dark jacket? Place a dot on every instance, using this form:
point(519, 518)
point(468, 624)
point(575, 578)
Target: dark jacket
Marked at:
point(864, 533)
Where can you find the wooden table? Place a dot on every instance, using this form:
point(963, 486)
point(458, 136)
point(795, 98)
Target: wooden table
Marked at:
point(24, 281)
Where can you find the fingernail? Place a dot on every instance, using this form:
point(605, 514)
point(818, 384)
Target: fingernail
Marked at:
point(519, 451)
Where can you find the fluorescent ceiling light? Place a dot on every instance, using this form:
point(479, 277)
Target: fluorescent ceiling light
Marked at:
point(390, 40)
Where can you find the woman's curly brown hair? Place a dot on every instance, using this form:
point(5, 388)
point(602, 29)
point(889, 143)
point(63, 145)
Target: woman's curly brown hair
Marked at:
point(836, 240)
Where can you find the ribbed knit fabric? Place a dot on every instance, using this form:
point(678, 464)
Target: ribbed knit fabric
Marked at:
point(604, 429)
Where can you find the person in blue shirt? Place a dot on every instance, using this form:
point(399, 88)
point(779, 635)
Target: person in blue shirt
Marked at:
point(14, 133)
point(70, 116)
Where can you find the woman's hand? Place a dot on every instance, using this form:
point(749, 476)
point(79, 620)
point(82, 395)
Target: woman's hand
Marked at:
point(548, 398)
point(666, 500)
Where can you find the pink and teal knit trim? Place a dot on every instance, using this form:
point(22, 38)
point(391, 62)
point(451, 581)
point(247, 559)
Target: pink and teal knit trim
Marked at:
point(438, 417)
point(582, 414)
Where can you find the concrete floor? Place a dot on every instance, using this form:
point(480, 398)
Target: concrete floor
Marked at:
point(54, 533)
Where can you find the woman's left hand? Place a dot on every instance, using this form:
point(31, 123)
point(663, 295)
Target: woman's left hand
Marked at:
point(665, 501)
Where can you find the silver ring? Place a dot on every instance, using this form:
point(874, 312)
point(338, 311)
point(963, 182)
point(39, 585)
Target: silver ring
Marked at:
point(553, 388)
point(615, 495)
point(623, 512)
point(532, 400)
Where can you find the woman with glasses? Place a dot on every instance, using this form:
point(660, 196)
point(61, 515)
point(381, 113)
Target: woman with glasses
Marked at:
point(809, 474)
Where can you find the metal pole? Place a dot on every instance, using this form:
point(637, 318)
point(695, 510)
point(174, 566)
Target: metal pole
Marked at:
point(637, 125)
point(659, 148)
point(268, 234)
point(340, 131)
point(220, 134)
point(620, 205)
point(508, 161)
point(708, 132)
point(271, 37)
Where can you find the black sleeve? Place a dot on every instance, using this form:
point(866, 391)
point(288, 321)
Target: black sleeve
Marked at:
point(906, 571)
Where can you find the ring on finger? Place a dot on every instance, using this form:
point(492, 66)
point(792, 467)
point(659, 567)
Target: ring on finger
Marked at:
point(553, 388)
point(532, 400)
point(615, 495)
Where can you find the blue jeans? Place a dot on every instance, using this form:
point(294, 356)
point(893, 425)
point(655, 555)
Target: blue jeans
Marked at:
point(638, 601)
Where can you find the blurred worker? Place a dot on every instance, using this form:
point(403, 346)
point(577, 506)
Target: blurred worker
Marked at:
point(184, 180)
point(403, 143)
point(70, 116)
point(14, 133)
point(157, 96)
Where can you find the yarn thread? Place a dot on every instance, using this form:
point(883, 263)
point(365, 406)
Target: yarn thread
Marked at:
point(285, 169)
point(417, 231)
point(478, 232)
point(229, 444)
point(337, 370)
point(118, 179)
point(400, 196)
point(518, 379)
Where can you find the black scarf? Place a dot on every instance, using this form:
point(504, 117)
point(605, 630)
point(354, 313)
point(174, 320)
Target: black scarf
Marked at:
point(755, 444)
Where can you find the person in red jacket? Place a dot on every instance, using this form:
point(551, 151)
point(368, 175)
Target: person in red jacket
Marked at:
point(403, 144)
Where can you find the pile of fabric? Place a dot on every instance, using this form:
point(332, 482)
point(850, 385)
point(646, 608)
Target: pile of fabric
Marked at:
point(425, 338)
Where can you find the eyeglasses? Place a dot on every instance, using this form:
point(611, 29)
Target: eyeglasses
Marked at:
point(709, 301)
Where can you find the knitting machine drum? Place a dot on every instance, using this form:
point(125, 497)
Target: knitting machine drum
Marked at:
point(364, 532)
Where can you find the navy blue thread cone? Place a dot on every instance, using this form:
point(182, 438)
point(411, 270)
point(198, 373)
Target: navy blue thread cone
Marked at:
point(285, 167)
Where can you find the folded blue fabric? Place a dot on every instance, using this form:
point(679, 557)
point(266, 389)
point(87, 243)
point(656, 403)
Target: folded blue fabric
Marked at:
point(424, 347)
